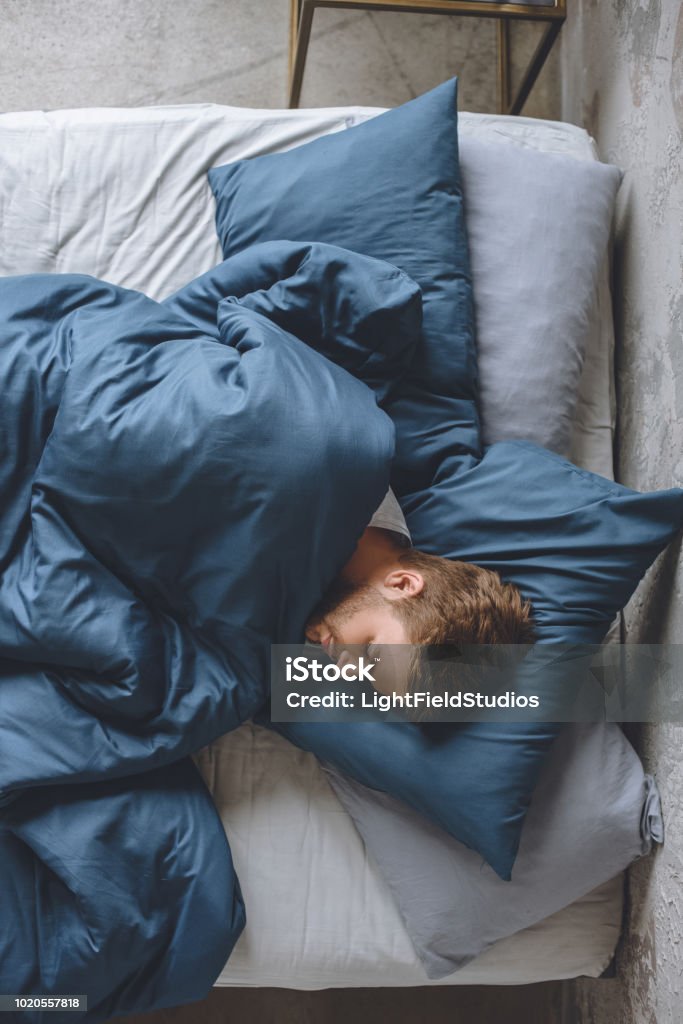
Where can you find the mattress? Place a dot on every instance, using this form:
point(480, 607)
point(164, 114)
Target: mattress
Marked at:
point(123, 195)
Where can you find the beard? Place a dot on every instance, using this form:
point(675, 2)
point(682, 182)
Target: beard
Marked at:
point(341, 601)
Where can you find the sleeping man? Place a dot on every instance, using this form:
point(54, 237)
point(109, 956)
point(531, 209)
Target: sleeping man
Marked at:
point(389, 593)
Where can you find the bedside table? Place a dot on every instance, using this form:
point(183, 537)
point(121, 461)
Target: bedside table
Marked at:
point(551, 13)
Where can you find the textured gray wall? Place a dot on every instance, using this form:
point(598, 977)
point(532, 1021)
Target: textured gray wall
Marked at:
point(80, 53)
point(622, 64)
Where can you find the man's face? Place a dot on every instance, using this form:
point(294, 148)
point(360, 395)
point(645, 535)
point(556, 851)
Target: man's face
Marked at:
point(351, 621)
point(354, 615)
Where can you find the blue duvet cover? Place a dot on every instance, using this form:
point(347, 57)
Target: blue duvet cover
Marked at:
point(179, 483)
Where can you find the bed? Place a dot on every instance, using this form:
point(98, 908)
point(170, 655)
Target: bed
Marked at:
point(122, 195)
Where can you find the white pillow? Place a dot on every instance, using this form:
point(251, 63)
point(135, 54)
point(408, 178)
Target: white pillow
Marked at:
point(538, 226)
point(594, 812)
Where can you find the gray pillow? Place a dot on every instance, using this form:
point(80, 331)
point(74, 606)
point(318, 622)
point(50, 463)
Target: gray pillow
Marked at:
point(538, 227)
point(594, 812)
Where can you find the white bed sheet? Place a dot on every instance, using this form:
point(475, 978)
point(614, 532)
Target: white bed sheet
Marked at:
point(123, 195)
point(319, 914)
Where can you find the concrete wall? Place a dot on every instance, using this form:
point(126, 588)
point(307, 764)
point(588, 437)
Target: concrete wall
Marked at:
point(73, 53)
point(622, 65)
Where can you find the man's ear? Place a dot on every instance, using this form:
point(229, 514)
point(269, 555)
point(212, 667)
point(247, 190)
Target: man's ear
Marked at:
point(403, 583)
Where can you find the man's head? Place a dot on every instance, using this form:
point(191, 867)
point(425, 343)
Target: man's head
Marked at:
point(410, 597)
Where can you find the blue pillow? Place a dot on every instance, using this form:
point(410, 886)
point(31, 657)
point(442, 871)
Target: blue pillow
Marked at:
point(577, 545)
point(388, 188)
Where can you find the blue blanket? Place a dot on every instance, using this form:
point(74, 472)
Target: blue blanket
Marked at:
point(162, 522)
